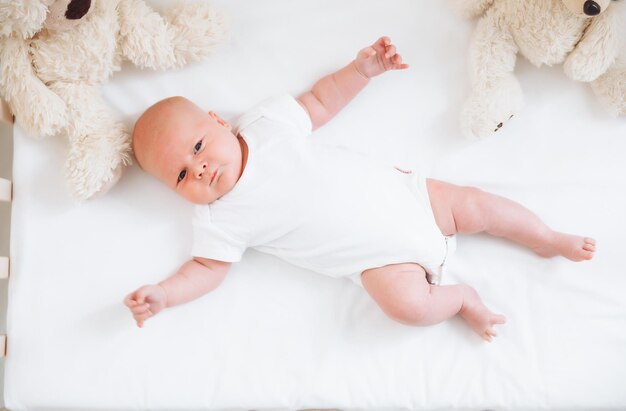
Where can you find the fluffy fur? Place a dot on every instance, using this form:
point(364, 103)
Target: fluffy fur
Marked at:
point(21, 18)
point(545, 32)
point(51, 70)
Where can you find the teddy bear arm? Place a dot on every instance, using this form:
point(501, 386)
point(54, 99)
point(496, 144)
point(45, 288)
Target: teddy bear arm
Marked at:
point(596, 51)
point(183, 34)
point(610, 87)
point(493, 50)
point(496, 93)
point(144, 37)
point(35, 106)
point(197, 30)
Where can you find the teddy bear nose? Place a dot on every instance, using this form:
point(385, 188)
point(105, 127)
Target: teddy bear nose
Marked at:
point(591, 8)
point(77, 9)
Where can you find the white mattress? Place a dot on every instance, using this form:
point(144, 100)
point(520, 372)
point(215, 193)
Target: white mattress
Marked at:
point(277, 337)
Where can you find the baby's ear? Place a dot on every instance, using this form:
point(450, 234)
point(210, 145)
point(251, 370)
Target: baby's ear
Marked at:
point(220, 120)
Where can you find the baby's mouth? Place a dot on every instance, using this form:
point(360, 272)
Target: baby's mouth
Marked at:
point(212, 177)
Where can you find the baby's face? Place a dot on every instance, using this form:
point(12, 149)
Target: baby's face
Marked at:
point(192, 152)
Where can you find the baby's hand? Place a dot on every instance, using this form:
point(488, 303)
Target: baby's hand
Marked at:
point(146, 302)
point(378, 58)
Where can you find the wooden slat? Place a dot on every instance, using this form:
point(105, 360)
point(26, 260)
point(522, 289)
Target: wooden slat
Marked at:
point(6, 190)
point(5, 113)
point(4, 267)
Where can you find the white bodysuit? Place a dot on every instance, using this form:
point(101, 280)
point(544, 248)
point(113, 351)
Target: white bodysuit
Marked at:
point(320, 207)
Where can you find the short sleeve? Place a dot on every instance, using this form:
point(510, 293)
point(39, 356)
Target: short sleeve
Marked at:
point(214, 242)
point(282, 109)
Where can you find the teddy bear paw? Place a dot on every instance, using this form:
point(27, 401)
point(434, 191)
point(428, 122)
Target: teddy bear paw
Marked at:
point(610, 87)
point(616, 105)
point(115, 177)
point(198, 28)
point(579, 67)
point(89, 183)
point(47, 117)
point(95, 161)
point(490, 107)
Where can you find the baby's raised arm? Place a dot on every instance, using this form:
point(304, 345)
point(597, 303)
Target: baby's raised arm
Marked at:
point(331, 93)
point(192, 280)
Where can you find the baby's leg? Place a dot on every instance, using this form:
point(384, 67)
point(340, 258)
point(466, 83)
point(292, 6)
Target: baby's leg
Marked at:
point(403, 293)
point(469, 210)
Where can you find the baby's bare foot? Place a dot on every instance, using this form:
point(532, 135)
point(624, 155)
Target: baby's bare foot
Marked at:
point(573, 247)
point(479, 317)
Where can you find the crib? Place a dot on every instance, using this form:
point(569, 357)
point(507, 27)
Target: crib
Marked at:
point(6, 120)
point(277, 337)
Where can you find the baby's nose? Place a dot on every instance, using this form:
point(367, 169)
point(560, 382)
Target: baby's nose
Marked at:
point(200, 169)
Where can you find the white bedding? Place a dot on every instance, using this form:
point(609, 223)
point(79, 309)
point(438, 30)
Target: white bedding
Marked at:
point(278, 337)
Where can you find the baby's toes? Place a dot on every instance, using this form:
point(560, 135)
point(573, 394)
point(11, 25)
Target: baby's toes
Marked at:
point(589, 244)
point(586, 255)
point(498, 319)
point(589, 247)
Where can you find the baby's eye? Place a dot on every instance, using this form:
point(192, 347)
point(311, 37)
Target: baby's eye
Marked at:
point(197, 147)
point(181, 176)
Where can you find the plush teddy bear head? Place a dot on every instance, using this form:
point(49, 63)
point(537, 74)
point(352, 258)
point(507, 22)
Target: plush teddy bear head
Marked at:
point(587, 8)
point(63, 14)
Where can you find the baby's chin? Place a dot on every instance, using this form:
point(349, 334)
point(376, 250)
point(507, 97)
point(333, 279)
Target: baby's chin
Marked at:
point(204, 198)
point(223, 185)
point(200, 200)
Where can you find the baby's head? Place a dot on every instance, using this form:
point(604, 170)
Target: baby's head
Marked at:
point(193, 152)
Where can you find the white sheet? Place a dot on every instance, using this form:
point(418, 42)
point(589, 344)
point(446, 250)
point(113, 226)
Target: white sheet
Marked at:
point(277, 337)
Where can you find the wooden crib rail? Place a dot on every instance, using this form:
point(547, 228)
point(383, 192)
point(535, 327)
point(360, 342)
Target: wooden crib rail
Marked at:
point(5, 195)
point(5, 113)
point(6, 190)
point(4, 267)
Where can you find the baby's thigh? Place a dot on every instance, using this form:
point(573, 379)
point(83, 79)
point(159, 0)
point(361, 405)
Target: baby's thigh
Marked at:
point(443, 196)
point(399, 289)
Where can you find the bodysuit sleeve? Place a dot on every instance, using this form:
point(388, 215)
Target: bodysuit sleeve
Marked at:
point(212, 241)
point(283, 110)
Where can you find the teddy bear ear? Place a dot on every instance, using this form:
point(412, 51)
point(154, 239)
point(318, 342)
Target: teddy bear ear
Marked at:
point(22, 18)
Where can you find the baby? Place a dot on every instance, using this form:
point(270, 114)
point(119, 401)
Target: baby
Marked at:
point(263, 185)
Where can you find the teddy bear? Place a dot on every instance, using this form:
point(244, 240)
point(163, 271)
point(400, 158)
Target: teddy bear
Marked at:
point(55, 55)
point(583, 35)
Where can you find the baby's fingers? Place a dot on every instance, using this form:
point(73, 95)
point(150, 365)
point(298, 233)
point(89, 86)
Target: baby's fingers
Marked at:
point(129, 300)
point(140, 309)
point(141, 318)
point(397, 62)
point(390, 51)
point(136, 297)
point(383, 41)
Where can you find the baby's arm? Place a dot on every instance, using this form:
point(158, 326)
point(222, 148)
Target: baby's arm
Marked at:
point(330, 94)
point(192, 280)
